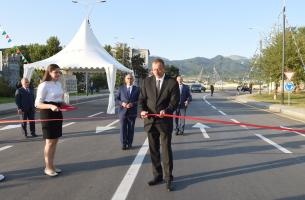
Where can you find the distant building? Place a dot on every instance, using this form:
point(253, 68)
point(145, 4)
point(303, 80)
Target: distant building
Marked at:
point(144, 53)
point(10, 68)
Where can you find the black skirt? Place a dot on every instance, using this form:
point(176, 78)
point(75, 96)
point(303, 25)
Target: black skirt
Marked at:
point(51, 129)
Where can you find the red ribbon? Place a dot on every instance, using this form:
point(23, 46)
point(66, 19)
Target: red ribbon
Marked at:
point(165, 115)
point(227, 122)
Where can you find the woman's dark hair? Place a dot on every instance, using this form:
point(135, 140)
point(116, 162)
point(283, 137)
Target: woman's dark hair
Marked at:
point(46, 76)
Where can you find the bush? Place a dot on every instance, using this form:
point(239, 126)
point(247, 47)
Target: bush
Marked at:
point(5, 89)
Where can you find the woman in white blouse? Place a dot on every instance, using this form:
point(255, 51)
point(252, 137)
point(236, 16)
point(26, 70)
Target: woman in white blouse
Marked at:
point(49, 99)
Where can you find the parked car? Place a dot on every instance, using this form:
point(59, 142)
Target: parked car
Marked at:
point(196, 88)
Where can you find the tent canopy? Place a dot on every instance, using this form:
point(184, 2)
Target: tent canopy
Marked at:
point(84, 52)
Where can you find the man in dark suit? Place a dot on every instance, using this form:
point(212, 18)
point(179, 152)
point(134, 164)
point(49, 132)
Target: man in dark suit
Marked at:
point(127, 99)
point(159, 95)
point(24, 97)
point(185, 98)
point(212, 90)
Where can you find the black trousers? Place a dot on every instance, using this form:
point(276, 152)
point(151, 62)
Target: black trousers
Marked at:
point(155, 135)
point(127, 129)
point(180, 123)
point(28, 115)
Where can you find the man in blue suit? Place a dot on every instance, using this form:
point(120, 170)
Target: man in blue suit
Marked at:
point(185, 98)
point(127, 98)
point(24, 97)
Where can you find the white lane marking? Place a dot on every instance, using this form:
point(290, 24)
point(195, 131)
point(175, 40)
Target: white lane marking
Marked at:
point(95, 114)
point(10, 127)
point(284, 150)
point(90, 101)
point(107, 127)
point(68, 124)
point(122, 191)
point(234, 120)
point(301, 134)
point(222, 112)
point(100, 129)
point(12, 116)
point(5, 147)
point(114, 122)
point(202, 129)
point(214, 107)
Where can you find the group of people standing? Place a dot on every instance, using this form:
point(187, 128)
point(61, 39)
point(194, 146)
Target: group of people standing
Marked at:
point(159, 94)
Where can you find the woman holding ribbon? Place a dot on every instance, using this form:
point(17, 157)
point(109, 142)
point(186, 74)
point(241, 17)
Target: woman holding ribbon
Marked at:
point(49, 99)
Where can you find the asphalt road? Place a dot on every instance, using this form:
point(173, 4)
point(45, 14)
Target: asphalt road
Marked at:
point(232, 163)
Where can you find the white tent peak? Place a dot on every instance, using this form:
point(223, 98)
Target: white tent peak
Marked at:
point(83, 52)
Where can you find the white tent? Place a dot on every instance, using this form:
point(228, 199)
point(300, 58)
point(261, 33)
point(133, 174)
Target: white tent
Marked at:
point(84, 52)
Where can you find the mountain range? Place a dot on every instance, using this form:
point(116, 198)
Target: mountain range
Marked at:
point(230, 67)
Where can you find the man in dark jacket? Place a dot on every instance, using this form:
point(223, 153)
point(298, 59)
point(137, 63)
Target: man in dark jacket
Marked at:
point(24, 97)
point(127, 98)
point(212, 89)
point(185, 98)
point(159, 95)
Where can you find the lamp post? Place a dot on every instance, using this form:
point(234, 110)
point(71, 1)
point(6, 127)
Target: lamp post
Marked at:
point(283, 53)
point(89, 6)
point(260, 52)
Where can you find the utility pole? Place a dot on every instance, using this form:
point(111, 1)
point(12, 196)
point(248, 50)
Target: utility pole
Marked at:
point(260, 63)
point(283, 53)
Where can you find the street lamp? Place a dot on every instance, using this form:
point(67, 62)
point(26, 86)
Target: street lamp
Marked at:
point(89, 6)
point(261, 33)
point(123, 44)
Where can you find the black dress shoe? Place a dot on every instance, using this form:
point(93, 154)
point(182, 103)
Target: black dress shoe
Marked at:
point(34, 135)
point(155, 181)
point(129, 146)
point(169, 186)
point(177, 132)
point(124, 147)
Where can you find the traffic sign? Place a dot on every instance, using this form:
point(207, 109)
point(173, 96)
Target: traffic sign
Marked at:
point(289, 75)
point(289, 86)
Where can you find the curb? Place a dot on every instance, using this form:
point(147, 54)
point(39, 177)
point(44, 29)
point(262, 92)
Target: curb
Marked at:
point(275, 108)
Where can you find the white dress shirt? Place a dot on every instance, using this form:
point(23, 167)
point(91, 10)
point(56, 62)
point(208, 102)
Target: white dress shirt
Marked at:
point(161, 81)
point(129, 89)
point(50, 91)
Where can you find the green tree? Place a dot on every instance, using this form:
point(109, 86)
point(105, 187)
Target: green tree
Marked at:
point(122, 54)
point(108, 48)
point(53, 46)
point(137, 63)
point(99, 80)
point(270, 63)
point(171, 70)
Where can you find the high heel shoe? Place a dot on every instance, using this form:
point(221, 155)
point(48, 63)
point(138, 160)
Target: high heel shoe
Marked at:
point(50, 173)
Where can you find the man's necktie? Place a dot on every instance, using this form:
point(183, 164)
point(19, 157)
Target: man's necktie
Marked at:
point(128, 92)
point(158, 87)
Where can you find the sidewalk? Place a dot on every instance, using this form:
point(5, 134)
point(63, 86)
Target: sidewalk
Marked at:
point(290, 111)
point(8, 108)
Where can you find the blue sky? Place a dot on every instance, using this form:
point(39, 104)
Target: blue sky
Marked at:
point(175, 29)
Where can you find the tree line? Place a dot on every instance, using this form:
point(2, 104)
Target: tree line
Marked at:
point(268, 63)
